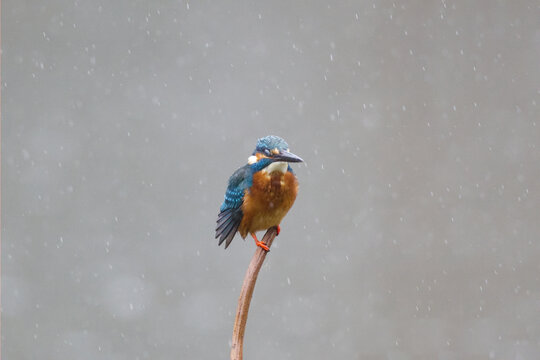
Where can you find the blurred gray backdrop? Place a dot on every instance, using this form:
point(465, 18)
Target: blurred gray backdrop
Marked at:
point(415, 234)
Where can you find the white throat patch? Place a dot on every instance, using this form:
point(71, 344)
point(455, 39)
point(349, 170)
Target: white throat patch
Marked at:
point(280, 166)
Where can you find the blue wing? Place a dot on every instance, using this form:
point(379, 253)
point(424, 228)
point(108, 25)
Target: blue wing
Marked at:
point(231, 214)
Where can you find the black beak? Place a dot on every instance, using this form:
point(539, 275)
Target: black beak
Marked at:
point(287, 157)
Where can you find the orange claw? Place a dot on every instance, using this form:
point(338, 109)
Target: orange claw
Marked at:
point(260, 243)
point(278, 230)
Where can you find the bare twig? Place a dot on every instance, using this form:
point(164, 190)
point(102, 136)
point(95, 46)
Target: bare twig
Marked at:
point(246, 293)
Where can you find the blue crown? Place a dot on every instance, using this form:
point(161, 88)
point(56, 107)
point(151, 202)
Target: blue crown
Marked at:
point(270, 142)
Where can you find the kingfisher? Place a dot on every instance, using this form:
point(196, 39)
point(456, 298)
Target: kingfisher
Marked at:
point(260, 193)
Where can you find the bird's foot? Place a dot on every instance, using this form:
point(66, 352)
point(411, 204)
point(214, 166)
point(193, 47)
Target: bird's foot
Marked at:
point(260, 243)
point(278, 230)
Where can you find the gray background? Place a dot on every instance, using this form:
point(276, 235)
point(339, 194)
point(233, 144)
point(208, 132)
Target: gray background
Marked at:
point(415, 234)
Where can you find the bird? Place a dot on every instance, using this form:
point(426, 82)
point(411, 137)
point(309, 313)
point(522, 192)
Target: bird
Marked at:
point(260, 193)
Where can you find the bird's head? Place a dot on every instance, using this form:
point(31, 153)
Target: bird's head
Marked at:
point(272, 154)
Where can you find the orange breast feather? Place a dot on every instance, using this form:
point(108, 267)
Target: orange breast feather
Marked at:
point(267, 201)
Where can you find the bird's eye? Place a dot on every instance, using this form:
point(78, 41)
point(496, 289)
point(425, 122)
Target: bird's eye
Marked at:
point(266, 152)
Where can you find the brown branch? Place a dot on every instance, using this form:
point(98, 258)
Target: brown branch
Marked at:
point(246, 293)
